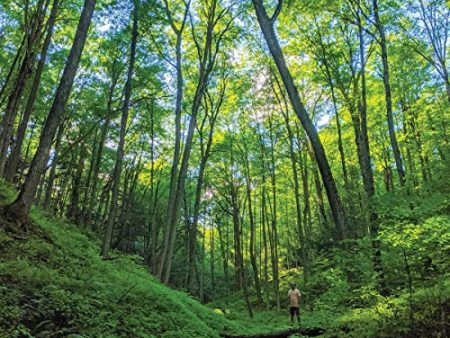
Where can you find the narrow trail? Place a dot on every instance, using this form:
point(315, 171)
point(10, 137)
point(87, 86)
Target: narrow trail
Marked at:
point(307, 331)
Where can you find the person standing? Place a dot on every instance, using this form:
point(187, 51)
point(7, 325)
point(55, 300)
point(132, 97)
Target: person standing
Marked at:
point(294, 303)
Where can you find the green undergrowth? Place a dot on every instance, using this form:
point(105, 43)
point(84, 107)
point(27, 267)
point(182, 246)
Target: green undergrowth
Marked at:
point(272, 320)
point(54, 284)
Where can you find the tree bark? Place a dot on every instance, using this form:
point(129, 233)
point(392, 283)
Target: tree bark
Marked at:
point(264, 226)
point(365, 160)
point(224, 253)
point(212, 260)
point(237, 231)
point(98, 158)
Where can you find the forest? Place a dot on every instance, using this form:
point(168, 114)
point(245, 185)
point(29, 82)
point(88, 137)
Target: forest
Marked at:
point(170, 168)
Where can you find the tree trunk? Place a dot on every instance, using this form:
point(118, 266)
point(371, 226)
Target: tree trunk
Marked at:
point(205, 152)
point(212, 259)
point(25, 70)
point(20, 208)
point(207, 59)
point(267, 27)
point(325, 59)
point(123, 129)
point(300, 229)
point(274, 231)
point(388, 95)
point(52, 175)
point(248, 183)
point(154, 191)
point(323, 219)
point(177, 147)
point(365, 161)
point(240, 279)
point(301, 223)
point(98, 159)
point(11, 70)
point(266, 249)
point(224, 253)
point(74, 211)
point(363, 139)
point(237, 231)
point(124, 238)
point(89, 180)
point(13, 161)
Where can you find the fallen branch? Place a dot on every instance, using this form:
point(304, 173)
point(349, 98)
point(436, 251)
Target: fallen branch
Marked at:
point(111, 258)
point(126, 293)
point(307, 331)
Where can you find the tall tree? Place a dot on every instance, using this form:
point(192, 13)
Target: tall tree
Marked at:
point(178, 30)
point(252, 242)
point(434, 25)
point(267, 26)
point(388, 93)
point(115, 177)
point(21, 206)
point(33, 35)
point(215, 30)
point(13, 160)
point(212, 110)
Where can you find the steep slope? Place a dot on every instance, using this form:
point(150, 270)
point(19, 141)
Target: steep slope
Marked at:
point(53, 283)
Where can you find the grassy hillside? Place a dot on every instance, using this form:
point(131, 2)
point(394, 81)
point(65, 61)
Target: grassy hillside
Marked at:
point(53, 283)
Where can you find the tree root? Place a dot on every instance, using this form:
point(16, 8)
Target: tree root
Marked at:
point(20, 229)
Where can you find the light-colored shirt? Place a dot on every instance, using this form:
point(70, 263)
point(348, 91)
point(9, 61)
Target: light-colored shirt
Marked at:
point(294, 297)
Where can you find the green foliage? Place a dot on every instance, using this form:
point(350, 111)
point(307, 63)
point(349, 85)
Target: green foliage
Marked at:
point(55, 284)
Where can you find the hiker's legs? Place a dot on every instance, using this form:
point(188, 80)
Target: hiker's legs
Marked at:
point(297, 314)
point(291, 310)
